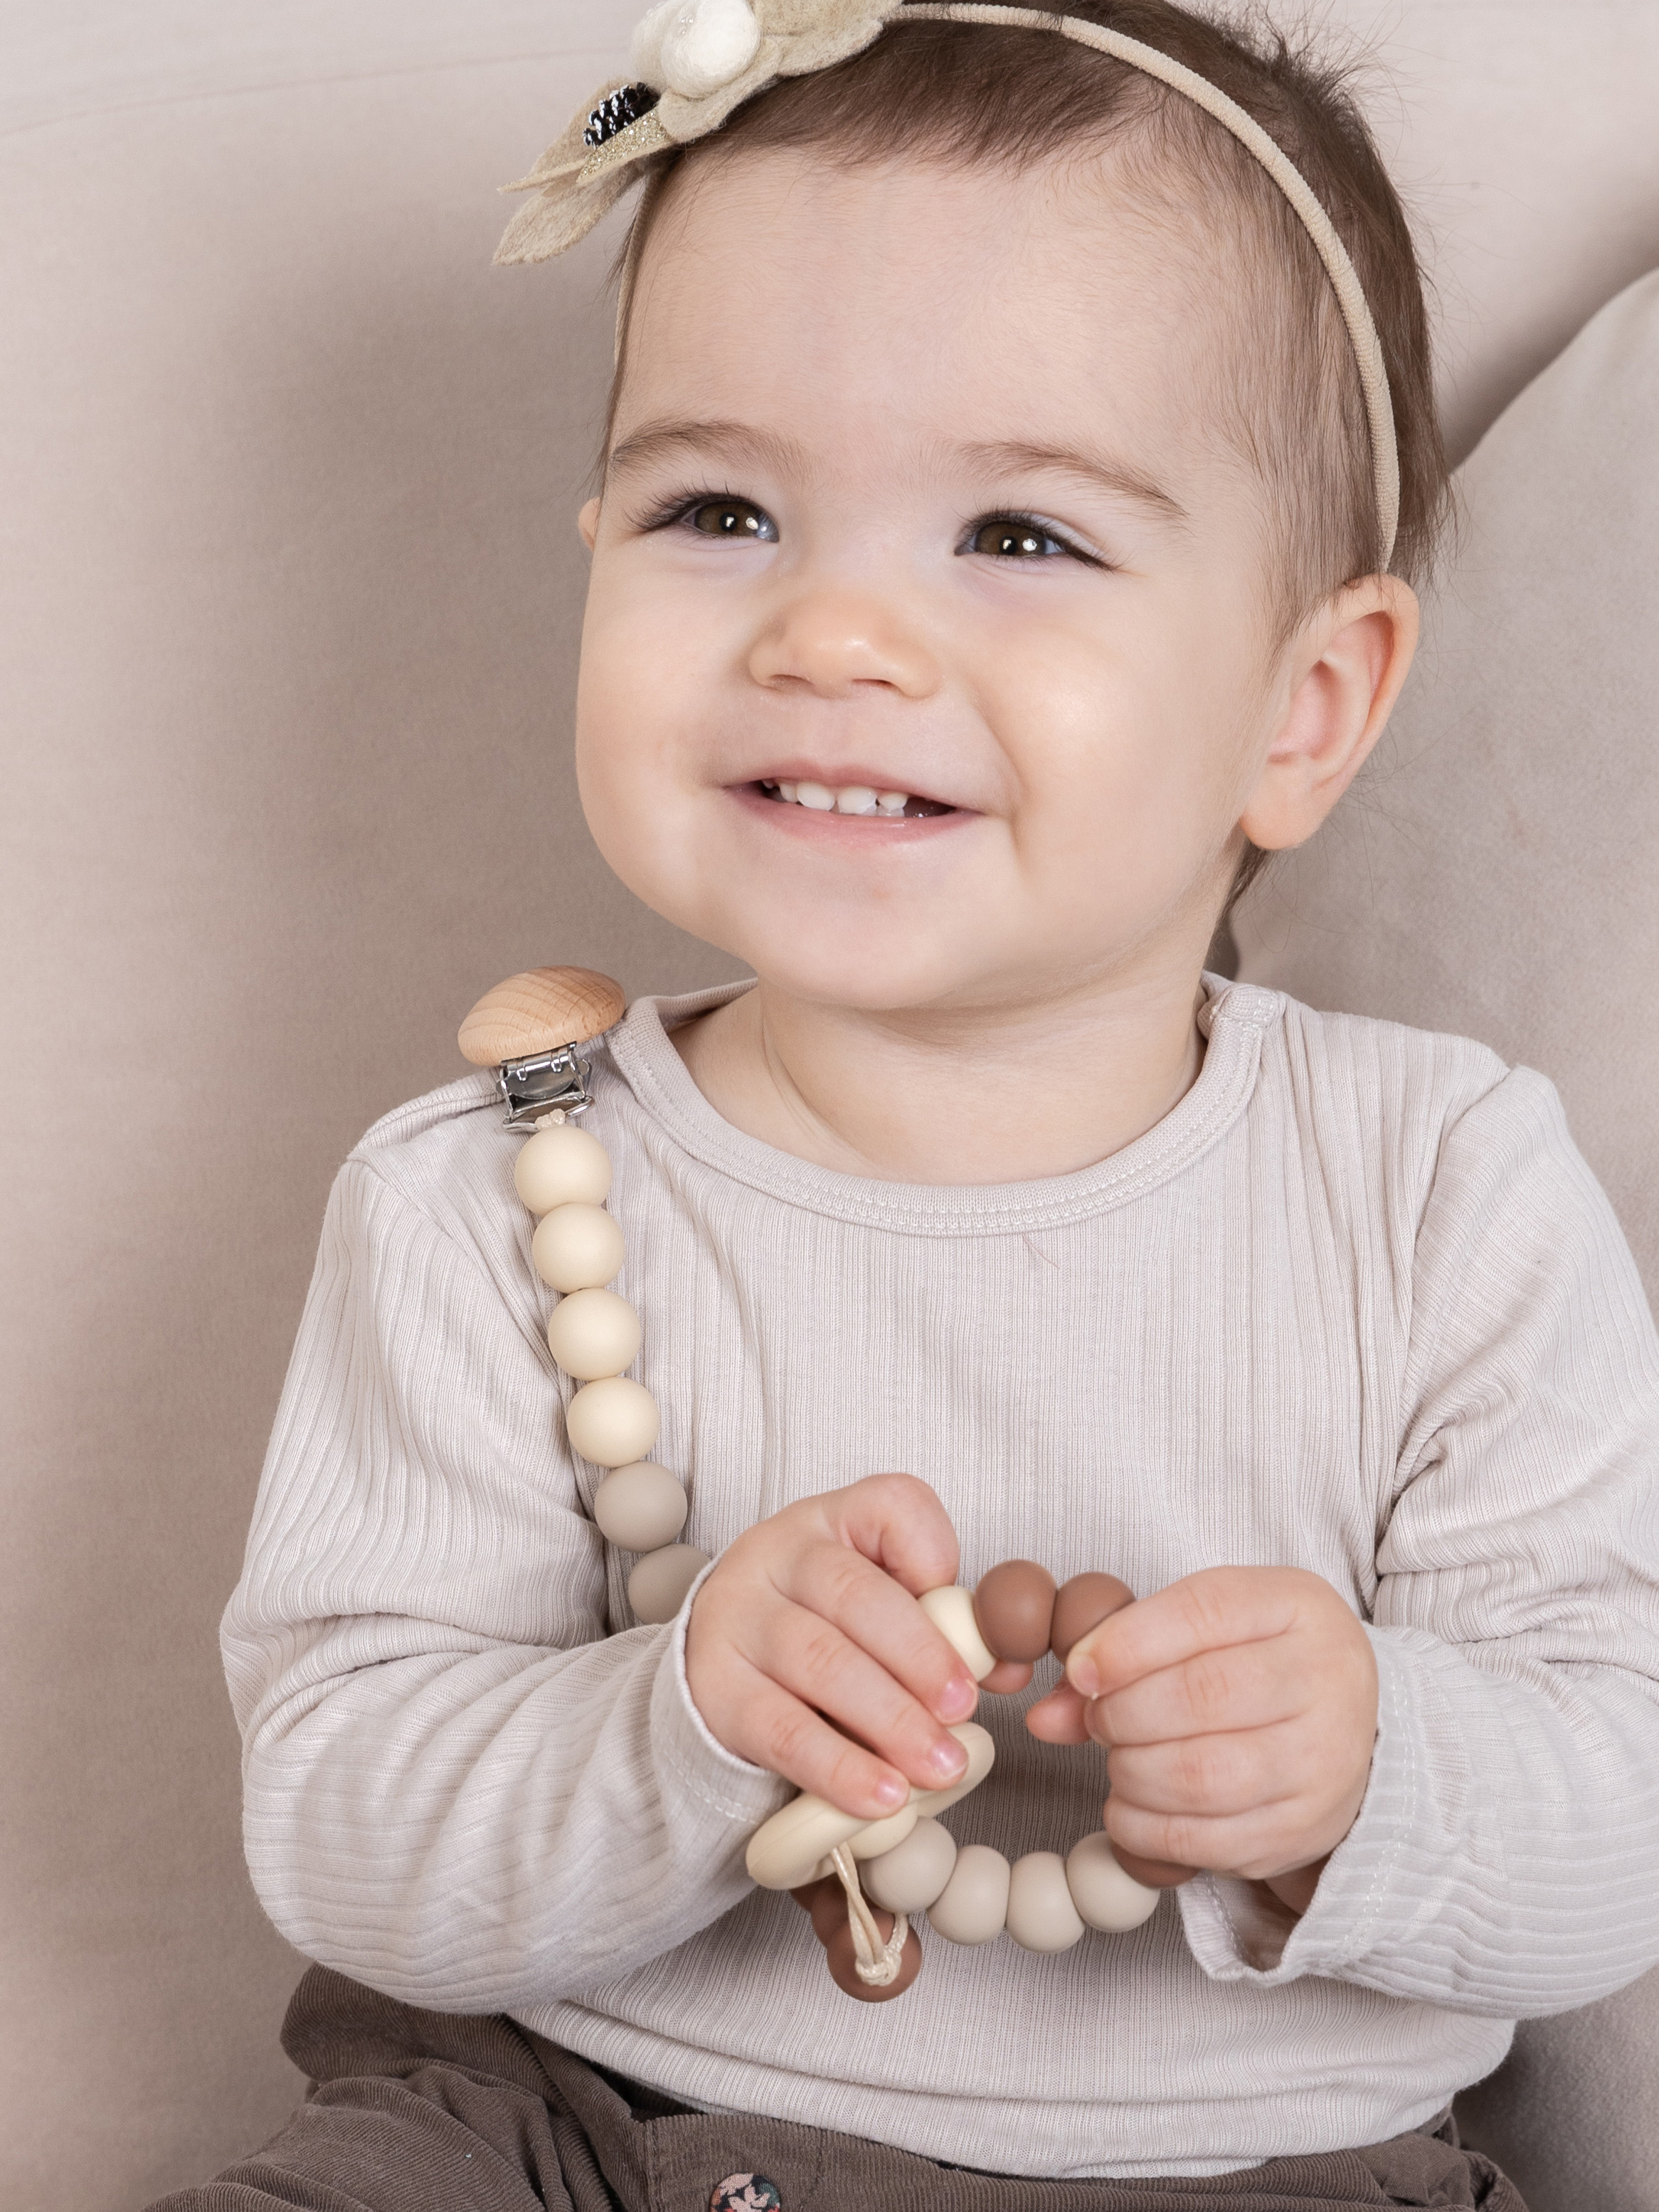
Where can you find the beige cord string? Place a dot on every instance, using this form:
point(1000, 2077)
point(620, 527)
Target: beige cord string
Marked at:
point(874, 1962)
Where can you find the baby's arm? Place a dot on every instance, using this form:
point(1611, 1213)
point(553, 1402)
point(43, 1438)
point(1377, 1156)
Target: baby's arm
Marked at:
point(1505, 1858)
point(458, 1789)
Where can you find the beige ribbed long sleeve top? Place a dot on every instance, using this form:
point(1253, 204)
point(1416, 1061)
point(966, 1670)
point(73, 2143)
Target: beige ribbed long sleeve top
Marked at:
point(1355, 1304)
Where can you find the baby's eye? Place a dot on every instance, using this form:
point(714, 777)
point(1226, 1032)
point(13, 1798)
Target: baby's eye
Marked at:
point(1011, 538)
point(732, 518)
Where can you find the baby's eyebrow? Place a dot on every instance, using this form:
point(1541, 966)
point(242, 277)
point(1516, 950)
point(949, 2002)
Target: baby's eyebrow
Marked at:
point(1016, 455)
point(737, 441)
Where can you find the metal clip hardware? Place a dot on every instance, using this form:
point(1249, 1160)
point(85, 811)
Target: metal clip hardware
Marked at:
point(547, 1081)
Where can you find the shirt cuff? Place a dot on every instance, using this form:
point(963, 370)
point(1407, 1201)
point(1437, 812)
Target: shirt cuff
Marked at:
point(723, 1788)
point(1389, 1878)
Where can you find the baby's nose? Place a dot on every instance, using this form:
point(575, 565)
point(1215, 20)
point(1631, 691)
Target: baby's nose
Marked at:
point(832, 641)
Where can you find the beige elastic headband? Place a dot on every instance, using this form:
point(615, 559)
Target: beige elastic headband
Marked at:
point(695, 61)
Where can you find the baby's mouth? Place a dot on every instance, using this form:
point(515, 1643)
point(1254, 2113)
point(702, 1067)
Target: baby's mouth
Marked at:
point(852, 799)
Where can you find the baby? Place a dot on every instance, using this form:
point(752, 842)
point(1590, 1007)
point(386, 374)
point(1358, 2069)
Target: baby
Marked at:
point(996, 558)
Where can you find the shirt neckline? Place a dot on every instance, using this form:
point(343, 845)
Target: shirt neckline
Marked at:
point(1235, 1017)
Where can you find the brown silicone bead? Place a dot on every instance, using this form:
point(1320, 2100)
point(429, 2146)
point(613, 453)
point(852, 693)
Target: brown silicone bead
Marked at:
point(1083, 1604)
point(826, 1902)
point(1014, 1606)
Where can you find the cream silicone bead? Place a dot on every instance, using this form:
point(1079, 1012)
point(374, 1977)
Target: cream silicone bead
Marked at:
point(561, 1164)
point(785, 1851)
point(1106, 1897)
point(909, 1876)
point(612, 1422)
point(657, 1587)
point(1040, 1914)
point(594, 1333)
point(973, 1906)
point(951, 1610)
point(577, 1247)
point(641, 1507)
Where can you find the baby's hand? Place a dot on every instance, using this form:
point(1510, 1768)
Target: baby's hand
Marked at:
point(811, 1618)
point(1239, 1710)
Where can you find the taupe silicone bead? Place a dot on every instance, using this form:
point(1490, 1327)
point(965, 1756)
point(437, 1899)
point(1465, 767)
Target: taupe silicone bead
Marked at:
point(1040, 1914)
point(1103, 1894)
point(641, 1507)
point(908, 1878)
point(559, 1166)
point(973, 1905)
point(1014, 1606)
point(594, 1333)
point(577, 1247)
point(613, 1422)
point(657, 1587)
point(950, 1609)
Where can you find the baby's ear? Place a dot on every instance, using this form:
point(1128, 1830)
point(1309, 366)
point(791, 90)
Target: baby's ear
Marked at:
point(1347, 667)
point(588, 523)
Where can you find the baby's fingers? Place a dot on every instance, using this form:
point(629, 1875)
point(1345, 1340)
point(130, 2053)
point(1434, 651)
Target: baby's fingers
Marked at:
point(898, 1520)
point(1061, 1717)
point(773, 1730)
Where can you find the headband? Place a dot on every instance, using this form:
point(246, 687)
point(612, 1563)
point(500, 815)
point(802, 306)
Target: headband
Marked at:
point(695, 61)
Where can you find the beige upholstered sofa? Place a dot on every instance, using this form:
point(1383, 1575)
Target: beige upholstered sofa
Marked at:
point(291, 605)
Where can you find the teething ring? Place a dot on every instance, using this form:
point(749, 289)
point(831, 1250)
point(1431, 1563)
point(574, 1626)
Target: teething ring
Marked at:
point(907, 1863)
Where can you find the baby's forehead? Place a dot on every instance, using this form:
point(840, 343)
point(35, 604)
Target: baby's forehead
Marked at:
point(1022, 298)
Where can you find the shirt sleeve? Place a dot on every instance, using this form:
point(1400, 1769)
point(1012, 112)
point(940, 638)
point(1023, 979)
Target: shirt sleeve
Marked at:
point(458, 1788)
point(1505, 1860)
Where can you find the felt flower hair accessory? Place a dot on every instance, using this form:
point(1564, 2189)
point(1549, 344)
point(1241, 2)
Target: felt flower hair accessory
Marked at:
point(693, 61)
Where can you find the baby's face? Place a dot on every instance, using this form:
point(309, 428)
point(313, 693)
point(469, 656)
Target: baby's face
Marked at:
point(926, 654)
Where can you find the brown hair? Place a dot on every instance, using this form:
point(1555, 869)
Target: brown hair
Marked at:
point(1291, 396)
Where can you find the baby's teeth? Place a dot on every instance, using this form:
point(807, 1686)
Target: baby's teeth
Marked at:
point(788, 791)
point(857, 798)
point(818, 796)
point(892, 802)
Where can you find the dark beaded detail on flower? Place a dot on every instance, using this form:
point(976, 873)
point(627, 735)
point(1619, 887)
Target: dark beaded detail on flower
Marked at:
point(617, 112)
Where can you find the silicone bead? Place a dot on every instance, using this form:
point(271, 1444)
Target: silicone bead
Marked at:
point(657, 1587)
point(788, 1850)
point(876, 1836)
point(560, 1164)
point(612, 1422)
point(1082, 1604)
point(974, 1904)
point(1103, 1894)
point(641, 1507)
point(577, 1247)
point(1040, 1914)
point(950, 1609)
point(1014, 1606)
point(908, 1878)
point(592, 1333)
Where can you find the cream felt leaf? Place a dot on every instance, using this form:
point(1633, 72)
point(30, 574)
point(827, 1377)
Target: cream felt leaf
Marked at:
point(577, 183)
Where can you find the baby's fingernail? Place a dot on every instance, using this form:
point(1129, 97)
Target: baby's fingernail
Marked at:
point(1084, 1676)
point(958, 1698)
point(891, 1789)
point(947, 1758)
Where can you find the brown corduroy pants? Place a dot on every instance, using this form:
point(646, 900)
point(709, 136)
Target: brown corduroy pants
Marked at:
point(427, 2112)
